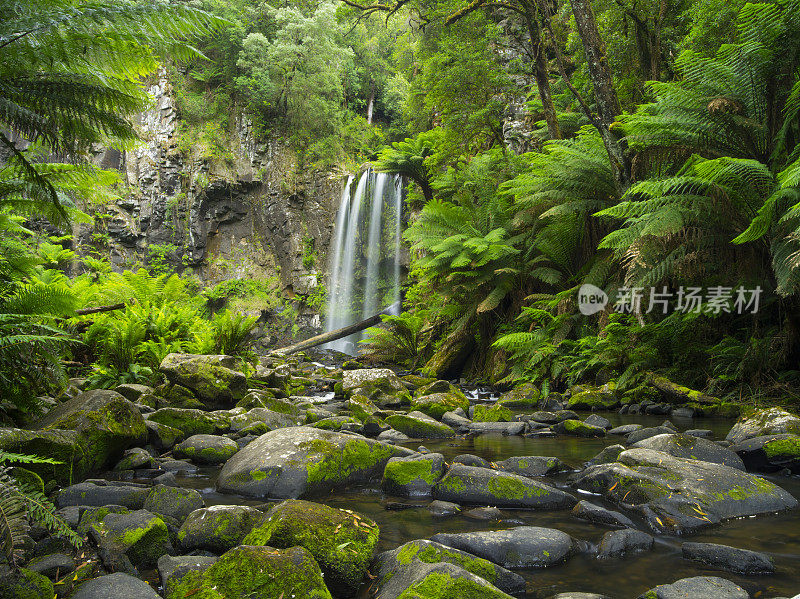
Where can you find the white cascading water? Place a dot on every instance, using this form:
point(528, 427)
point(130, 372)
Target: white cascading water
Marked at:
point(365, 261)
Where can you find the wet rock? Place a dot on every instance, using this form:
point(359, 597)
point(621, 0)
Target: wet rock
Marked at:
point(600, 515)
point(106, 425)
point(503, 428)
point(526, 395)
point(437, 581)
point(658, 409)
point(579, 595)
point(132, 392)
point(267, 419)
point(115, 585)
point(52, 565)
point(688, 446)
point(681, 495)
point(578, 428)
point(520, 547)
point(161, 436)
point(597, 420)
point(415, 554)
point(774, 421)
point(91, 493)
point(419, 426)
point(532, 465)
point(343, 542)
point(593, 399)
point(380, 385)
point(469, 459)
point(392, 436)
point(169, 566)
point(339, 423)
point(135, 458)
point(191, 422)
point(493, 413)
point(443, 508)
point(412, 476)
point(699, 587)
point(292, 462)
point(625, 429)
point(454, 420)
point(730, 559)
point(607, 455)
point(248, 571)
point(210, 378)
point(179, 466)
point(703, 433)
point(436, 404)
point(618, 543)
point(484, 513)
point(218, 528)
point(677, 394)
point(468, 484)
point(360, 406)
point(173, 502)
point(684, 412)
point(206, 449)
point(141, 536)
point(770, 453)
point(646, 433)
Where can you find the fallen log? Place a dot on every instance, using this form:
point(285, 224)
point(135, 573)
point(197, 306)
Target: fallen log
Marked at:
point(109, 308)
point(334, 335)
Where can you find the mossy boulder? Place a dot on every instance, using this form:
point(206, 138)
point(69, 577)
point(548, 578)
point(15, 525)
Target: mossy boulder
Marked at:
point(413, 476)
point(141, 535)
point(26, 584)
point(210, 378)
point(361, 407)
point(206, 449)
point(218, 528)
point(161, 436)
point(438, 581)
point(770, 453)
point(249, 571)
point(676, 394)
point(773, 421)
point(594, 399)
point(439, 386)
point(417, 425)
point(484, 486)
point(578, 428)
point(132, 391)
point(106, 423)
point(493, 413)
point(59, 445)
point(436, 404)
point(526, 395)
point(343, 542)
point(262, 399)
point(392, 567)
point(680, 495)
point(135, 458)
point(191, 422)
point(697, 587)
point(101, 493)
point(271, 420)
point(688, 446)
point(535, 465)
point(337, 423)
point(380, 385)
point(299, 461)
point(173, 502)
point(115, 586)
point(176, 396)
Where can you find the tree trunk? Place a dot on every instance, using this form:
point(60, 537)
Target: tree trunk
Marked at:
point(334, 335)
point(608, 107)
point(541, 74)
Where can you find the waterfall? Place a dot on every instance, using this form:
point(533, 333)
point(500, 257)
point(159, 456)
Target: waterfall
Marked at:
point(365, 256)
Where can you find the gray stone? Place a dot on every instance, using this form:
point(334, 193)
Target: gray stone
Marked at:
point(520, 547)
point(532, 465)
point(409, 578)
point(625, 429)
point(698, 587)
point(503, 428)
point(206, 449)
point(455, 420)
point(646, 433)
point(597, 420)
point(730, 559)
point(392, 436)
point(770, 453)
point(89, 493)
point(115, 586)
point(169, 565)
point(471, 460)
point(600, 515)
point(174, 502)
point(53, 565)
point(688, 446)
point(774, 421)
point(617, 543)
point(607, 455)
point(135, 458)
point(441, 508)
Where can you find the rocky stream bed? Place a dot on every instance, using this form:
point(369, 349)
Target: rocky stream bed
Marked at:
point(306, 480)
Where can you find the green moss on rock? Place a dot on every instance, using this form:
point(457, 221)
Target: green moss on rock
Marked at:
point(441, 585)
point(493, 413)
point(342, 541)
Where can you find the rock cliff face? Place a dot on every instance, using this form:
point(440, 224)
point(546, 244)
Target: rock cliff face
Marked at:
point(250, 213)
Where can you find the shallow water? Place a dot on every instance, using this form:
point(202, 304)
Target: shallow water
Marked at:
point(778, 535)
